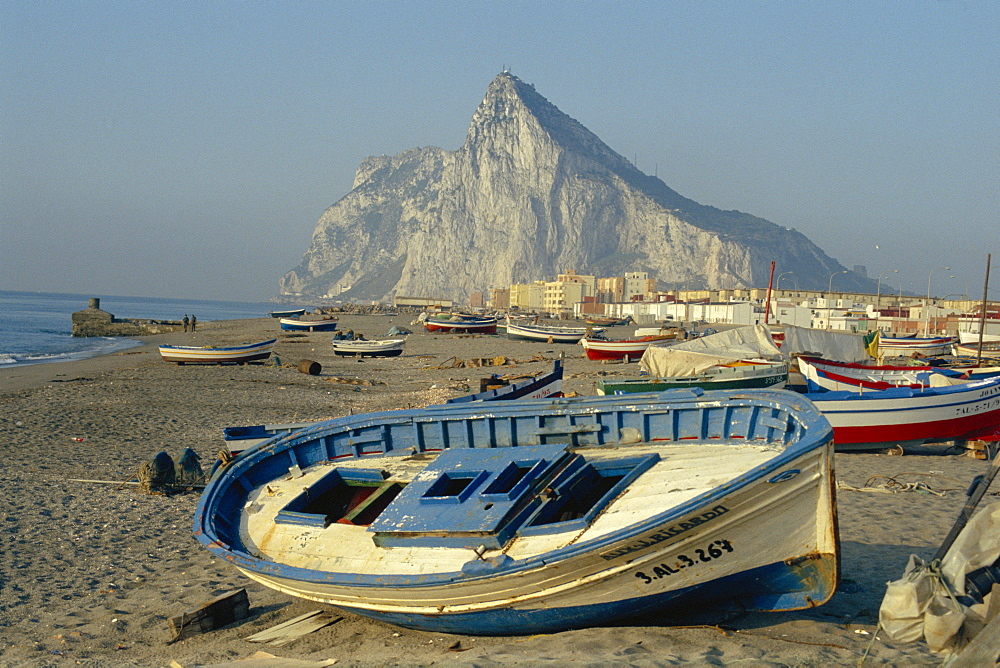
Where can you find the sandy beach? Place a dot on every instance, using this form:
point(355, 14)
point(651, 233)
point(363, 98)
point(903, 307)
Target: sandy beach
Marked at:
point(90, 572)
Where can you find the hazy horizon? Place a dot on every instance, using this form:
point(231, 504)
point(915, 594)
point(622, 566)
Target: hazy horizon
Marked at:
point(188, 149)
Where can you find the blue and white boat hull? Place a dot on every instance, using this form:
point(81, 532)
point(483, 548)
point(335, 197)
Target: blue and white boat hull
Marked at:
point(712, 500)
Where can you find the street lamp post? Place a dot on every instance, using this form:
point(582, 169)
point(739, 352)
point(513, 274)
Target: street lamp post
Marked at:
point(878, 294)
point(830, 287)
point(778, 282)
point(927, 303)
point(829, 307)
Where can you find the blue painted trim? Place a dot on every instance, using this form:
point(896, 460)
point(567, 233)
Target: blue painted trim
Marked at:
point(775, 587)
point(795, 419)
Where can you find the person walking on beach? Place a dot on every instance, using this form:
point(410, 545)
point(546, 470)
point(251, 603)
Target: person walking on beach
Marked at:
point(185, 322)
point(194, 321)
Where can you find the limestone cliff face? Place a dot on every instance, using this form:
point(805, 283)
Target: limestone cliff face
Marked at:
point(530, 194)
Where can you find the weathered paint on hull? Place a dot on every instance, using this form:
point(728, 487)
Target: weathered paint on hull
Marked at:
point(878, 420)
point(743, 593)
point(460, 328)
point(543, 337)
point(227, 355)
point(781, 529)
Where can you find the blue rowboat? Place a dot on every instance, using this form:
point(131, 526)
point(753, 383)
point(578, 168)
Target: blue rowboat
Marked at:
point(499, 518)
point(548, 384)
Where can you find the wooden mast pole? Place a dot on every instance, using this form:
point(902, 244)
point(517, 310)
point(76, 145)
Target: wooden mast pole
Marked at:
point(767, 307)
point(982, 316)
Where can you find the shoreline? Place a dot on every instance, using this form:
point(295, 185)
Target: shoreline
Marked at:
point(93, 571)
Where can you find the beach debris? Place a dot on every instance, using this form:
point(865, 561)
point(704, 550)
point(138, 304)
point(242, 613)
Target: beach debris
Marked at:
point(892, 488)
point(892, 484)
point(262, 659)
point(309, 367)
point(188, 470)
point(456, 363)
point(352, 381)
point(293, 629)
point(220, 611)
point(158, 475)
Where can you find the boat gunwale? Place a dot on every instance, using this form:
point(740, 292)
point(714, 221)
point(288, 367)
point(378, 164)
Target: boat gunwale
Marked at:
point(902, 392)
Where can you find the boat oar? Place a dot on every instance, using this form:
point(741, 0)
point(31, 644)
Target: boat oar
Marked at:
point(976, 491)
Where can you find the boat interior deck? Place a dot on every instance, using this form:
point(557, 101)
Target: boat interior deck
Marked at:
point(428, 513)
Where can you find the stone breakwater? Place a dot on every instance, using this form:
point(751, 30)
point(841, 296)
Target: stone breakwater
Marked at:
point(92, 321)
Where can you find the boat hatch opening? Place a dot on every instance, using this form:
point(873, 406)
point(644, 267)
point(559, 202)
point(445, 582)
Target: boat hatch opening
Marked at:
point(355, 496)
point(473, 497)
point(573, 502)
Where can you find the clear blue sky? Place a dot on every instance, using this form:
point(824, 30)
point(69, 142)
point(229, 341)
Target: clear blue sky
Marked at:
point(187, 149)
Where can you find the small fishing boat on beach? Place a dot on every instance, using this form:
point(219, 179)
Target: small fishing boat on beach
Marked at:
point(973, 338)
point(327, 324)
point(601, 321)
point(823, 374)
point(989, 349)
point(743, 375)
point(243, 354)
point(461, 324)
point(363, 348)
point(908, 346)
point(289, 313)
point(904, 416)
point(628, 350)
point(492, 518)
point(500, 388)
point(548, 333)
point(740, 358)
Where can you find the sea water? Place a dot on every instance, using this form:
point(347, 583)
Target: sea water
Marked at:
point(36, 327)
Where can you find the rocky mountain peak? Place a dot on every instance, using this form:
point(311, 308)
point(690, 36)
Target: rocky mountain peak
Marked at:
point(530, 193)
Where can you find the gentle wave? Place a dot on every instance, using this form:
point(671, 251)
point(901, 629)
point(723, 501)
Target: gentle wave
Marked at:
point(36, 327)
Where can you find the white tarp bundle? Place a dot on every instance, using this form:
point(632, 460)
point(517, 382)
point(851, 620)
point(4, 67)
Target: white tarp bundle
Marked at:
point(697, 355)
point(925, 602)
point(839, 346)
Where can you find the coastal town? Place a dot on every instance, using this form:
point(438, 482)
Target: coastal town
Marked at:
point(635, 295)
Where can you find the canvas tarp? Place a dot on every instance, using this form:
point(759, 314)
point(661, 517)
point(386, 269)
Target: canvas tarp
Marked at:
point(697, 355)
point(838, 346)
point(932, 600)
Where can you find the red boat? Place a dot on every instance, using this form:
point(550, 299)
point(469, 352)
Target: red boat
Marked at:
point(629, 350)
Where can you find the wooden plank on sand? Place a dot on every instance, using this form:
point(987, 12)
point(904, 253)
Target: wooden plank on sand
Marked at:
point(218, 612)
point(286, 632)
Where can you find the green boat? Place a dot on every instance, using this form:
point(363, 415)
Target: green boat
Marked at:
point(751, 374)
